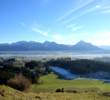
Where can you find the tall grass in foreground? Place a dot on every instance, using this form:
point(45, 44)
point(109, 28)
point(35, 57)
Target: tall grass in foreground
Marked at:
point(11, 94)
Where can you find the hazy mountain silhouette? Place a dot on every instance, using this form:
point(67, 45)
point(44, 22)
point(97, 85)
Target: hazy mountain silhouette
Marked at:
point(82, 46)
point(105, 47)
point(49, 46)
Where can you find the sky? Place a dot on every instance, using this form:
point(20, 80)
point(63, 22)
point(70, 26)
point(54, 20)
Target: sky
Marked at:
point(61, 21)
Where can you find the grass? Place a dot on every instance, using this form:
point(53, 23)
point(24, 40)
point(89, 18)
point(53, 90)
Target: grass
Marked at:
point(11, 94)
point(50, 83)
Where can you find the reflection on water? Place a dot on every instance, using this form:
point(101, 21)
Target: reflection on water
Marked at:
point(63, 73)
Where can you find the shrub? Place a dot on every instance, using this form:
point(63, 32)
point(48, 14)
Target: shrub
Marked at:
point(32, 64)
point(19, 82)
point(5, 75)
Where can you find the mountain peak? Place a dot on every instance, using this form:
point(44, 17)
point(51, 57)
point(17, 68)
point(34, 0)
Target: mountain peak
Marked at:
point(83, 43)
point(47, 45)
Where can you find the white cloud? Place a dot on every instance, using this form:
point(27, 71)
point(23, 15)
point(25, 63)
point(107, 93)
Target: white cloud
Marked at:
point(99, 38)
point(38, 28)
point(83, 13)
point(61, 18)
point(44, 33)
point(74, 27)
point(106, 11)
point(104, 6)
point(58, 38)
point(71, 38)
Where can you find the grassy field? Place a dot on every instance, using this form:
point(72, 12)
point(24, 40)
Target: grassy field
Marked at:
point(11, 94)
point(51, 83)
point(86, 90)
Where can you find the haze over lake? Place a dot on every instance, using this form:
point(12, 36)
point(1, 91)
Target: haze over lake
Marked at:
point(53, 54)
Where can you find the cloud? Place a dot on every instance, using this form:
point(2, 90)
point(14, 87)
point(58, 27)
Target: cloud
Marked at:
point(98, 38)
point(61, 18)
point(58, 38)
point(74, 27)
point(37, 30)
point(70, 38)
point(83, 13)
point(105, 9)
point(35, 27)
point(105, 6)
point(91, 6)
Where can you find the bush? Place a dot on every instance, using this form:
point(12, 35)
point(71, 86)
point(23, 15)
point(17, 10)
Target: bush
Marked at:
point(32, 64)
point(19, 82)
point(5, 75)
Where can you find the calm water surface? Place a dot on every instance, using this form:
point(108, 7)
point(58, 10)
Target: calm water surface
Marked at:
point(51, 54)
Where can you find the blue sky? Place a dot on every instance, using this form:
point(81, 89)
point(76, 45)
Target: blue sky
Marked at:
point(62, 21)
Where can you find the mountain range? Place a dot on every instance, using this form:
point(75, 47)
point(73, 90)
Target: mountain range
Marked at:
point(49, 46)
point(105, 47)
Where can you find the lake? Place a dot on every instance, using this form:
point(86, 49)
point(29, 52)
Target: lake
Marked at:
point(52, 54)
point(63, 73)
point(67, 75)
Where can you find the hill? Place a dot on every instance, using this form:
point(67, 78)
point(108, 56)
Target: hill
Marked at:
point(87, 93)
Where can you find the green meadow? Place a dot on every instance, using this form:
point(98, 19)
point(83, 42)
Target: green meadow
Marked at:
point(86, 89)
point(51, 82)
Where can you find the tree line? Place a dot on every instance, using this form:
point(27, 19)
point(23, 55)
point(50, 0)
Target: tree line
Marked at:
point(20, 74)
